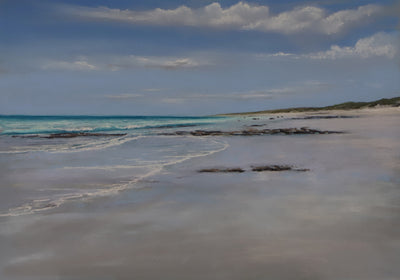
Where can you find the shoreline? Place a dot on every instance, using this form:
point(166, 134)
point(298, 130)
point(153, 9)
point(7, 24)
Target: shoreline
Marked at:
point(270, 207)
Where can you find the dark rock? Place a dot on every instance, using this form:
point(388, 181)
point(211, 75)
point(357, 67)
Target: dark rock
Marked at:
point(277, 168)
point(50, 205)
point(82, 134)
point(71, 135)
point(225, 170)
point(261, 168)
point(271, 168)
point(26, 136)
point(253, 132)
point(257, 125)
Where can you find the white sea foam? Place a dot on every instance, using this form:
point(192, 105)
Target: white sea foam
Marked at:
point(73, 148)
point(43, 204)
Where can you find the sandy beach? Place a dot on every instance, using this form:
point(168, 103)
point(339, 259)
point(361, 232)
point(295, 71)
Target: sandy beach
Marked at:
point(200, 140)
point(337, 221)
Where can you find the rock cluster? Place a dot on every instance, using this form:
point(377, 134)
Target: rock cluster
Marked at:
point(252, 132)
point(261, 168)
point(277, 168)
point(257, 125)
point(225, 170)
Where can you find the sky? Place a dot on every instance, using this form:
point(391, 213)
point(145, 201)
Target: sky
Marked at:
point(194, 57)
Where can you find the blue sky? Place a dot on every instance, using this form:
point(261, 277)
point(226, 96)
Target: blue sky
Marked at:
point(194, 57)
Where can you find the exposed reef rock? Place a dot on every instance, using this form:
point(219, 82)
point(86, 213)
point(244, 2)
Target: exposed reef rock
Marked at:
point(257, 125)
point(252, 132)
point(221, 170)
point(277, 168)
point(261, 168)
point(71, 135)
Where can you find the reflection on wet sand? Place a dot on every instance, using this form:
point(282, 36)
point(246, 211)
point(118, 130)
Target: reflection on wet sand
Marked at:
point(340, 220)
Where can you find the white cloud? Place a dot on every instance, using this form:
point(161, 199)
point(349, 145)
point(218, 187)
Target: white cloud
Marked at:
point(115, 63)
point(278, 54)
point(81, 65)
point(144, 93)
point(153, 89)
point(164, 62)
point(167, 63)
point(378, 45)
point(241, 16)
point(125, 96)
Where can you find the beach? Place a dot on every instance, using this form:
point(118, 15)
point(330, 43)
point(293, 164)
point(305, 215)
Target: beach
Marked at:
point(135, 206)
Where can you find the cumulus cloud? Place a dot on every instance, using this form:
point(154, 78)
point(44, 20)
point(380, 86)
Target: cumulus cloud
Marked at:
point(241, 16)
point(381, 44)
point(378, 45)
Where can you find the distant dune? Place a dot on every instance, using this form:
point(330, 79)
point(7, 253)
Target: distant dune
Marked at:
point(391, 102)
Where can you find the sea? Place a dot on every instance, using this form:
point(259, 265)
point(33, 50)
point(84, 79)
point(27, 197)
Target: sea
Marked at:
point(40, 172)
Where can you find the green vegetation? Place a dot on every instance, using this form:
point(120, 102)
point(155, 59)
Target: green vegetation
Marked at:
point(392, 102)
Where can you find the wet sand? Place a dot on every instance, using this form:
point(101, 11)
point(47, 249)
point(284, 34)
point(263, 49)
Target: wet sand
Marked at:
point(338, 221)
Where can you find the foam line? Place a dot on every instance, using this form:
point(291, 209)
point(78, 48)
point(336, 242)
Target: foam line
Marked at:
point(44, 204)
point(93, 146)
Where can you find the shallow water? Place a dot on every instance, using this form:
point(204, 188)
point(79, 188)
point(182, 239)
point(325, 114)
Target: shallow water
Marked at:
point(139, 209)
point(41, 173)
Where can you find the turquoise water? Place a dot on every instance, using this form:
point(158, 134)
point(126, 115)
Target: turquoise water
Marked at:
point(39, 174)
point(25, 125)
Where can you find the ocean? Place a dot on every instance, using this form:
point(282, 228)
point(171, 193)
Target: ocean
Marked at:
point(48, 171)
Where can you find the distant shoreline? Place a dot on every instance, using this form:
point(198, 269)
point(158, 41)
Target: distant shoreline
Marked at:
point(347, 106)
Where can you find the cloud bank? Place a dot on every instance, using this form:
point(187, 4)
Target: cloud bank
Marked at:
point(377, 45)
point(381, 44)
point(241, 16)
